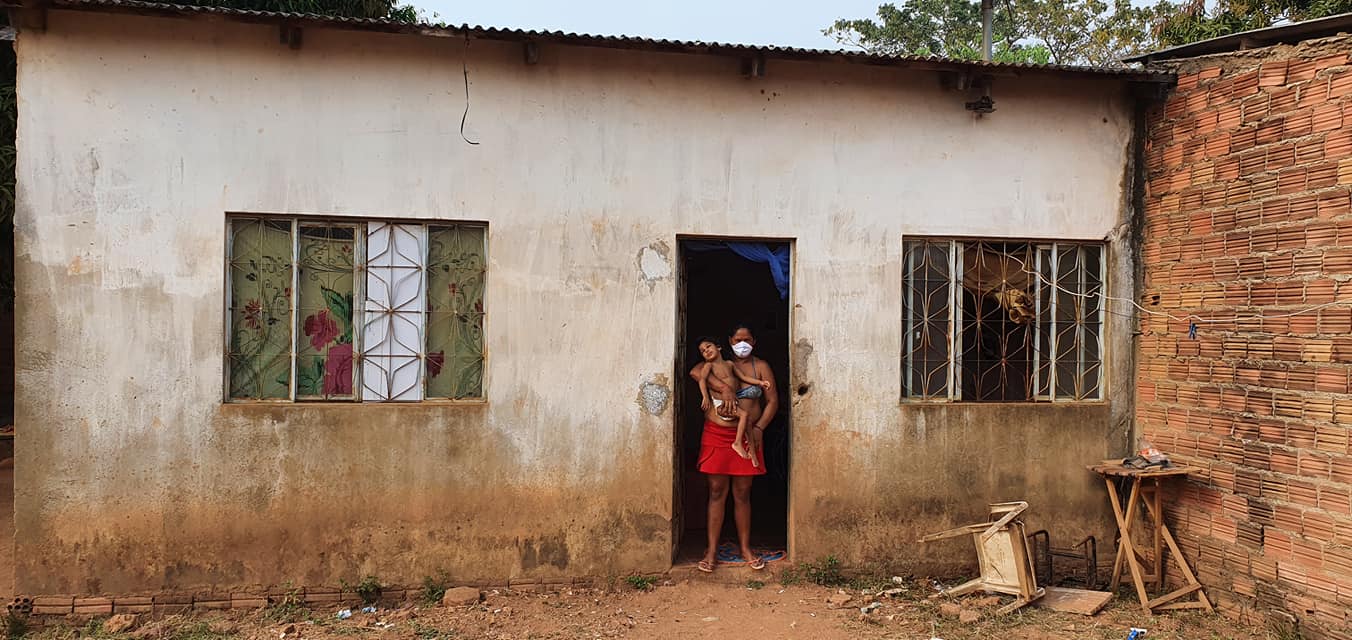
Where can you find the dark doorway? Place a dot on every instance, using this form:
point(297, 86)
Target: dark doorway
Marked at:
point(718, 289)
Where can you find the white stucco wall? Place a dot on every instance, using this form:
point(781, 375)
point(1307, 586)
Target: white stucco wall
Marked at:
point(137, 135)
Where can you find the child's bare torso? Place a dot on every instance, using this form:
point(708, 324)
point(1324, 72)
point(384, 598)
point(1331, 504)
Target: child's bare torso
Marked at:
point(723, 378)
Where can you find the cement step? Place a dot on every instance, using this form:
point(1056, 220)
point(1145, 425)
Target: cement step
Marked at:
point(729, 574)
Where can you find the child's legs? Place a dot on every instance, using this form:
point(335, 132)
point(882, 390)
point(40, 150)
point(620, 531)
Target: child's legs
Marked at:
point(744, 408)
point(741, 433)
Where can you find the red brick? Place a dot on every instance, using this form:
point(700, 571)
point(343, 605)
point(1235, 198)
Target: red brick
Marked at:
point(1298, 125)
point(1310, 150)
point(1292, 180)
point(1270, 130)
point(1326, 117)
point(1338, 144)
point(1278, 157)
point(1272, 73)
point(1336, 60)
point(1334, 205)
point(1229, 116)
point(1340, 85)
point(1306, 553)
point(1323, 175)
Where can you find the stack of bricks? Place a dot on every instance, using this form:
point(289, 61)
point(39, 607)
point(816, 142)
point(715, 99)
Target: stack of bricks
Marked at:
point(317, 597)
point(1248, 240)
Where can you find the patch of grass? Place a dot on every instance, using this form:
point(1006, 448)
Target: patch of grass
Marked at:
point(16, 626)
point(790, 576)
point(288, 607)
point(421, 632)
point(1285, 630)
point(195, 630)
point(825, 573)
point(641, 583)
point(867, 582)
point(755, 585)
point(369, 590)
point(434, 588)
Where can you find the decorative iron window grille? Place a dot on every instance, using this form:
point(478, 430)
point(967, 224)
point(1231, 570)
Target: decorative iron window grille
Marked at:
point(1002, 321)
point(343, 310)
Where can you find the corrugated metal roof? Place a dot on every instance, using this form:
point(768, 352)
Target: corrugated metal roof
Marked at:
point(1281, 34)
point(591, 40)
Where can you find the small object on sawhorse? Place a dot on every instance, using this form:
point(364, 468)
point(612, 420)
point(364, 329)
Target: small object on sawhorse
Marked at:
point(1145, 490)
point(1002, 552)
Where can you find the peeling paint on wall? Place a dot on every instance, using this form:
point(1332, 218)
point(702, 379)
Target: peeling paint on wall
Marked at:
point(654, 262)
point(655, 395)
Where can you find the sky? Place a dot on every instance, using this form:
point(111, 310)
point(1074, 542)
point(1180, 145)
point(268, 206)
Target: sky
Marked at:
point(796, 23)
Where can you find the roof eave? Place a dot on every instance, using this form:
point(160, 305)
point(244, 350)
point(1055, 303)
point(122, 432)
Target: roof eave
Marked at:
point(135, 7)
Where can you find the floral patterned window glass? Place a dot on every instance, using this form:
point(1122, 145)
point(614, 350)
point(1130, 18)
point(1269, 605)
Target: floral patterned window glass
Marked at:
point(455, 325)
point(353, 310)
point(260, 260)
point(325, 279)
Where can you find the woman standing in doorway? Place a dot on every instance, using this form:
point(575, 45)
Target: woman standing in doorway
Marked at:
point(720, 464)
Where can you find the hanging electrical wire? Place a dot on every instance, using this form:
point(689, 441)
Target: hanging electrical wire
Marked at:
point(464, 67)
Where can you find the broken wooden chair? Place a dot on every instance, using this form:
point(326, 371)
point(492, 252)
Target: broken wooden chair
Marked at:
point(1002, 553)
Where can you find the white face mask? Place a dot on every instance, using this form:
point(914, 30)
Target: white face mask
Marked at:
point(742, 349)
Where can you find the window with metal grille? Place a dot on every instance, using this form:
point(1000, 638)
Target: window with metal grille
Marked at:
point(354, 310)
point(1002, 321)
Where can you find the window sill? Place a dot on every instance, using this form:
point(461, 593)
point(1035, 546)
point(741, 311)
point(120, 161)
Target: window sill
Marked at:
point(968, 403)
point(333, 403)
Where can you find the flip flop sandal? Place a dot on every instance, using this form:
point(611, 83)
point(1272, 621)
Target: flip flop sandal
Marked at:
point(757, 564)
point(705, 566)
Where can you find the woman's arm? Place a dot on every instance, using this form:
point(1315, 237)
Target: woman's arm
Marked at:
point(771, 400)
point(704, 387)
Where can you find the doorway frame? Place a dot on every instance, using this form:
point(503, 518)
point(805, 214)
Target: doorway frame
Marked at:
point(680, 347)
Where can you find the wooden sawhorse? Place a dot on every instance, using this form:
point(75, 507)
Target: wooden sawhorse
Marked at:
point(1145, 490)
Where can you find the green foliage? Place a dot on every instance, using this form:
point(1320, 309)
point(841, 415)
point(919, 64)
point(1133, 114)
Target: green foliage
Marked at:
point(16, 625)
point(1091, 32)
point(421, 632)
point(755, 585)
point(287, 608)
point(825, 573)
point(434, 588)
point(641, 583)
point(199, 630)
point(947, 28)
point(1280, 629)
point(1193, 20)
point(369, 590)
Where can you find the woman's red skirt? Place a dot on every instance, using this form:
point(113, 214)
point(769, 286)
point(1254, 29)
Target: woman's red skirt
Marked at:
point(716, 456)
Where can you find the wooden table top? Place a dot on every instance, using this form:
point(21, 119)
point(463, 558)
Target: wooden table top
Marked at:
point(1115, 468)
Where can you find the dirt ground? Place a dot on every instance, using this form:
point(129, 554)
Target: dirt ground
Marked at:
point(683, 610)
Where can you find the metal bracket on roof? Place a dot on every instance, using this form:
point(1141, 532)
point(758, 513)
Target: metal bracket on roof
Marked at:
point(531, 51)
point(983, 104)
point(291, 35)
point(754, 66)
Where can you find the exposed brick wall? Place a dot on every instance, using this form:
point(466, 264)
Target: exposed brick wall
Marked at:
point(1247, 220)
